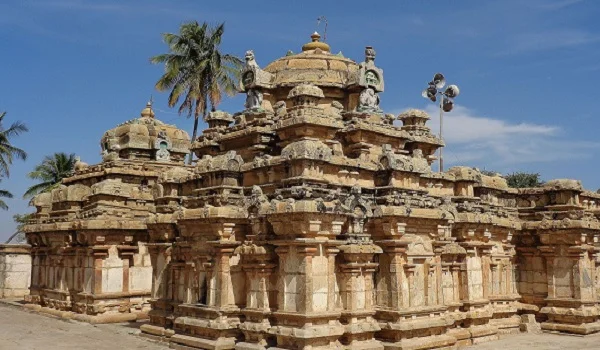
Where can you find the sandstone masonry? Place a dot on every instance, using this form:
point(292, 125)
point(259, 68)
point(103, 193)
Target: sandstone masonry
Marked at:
point(15, 270)
point(312, 220)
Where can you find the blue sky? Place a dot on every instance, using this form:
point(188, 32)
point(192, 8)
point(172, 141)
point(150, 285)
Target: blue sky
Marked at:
point(527, 71)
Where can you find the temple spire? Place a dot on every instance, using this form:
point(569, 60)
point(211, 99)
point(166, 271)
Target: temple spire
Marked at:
point(316, 44)
point(148, 112)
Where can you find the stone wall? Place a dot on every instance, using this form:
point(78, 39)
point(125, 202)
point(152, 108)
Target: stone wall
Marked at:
point(15, 270)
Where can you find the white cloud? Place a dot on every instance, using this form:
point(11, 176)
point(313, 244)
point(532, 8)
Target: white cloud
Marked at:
point(548, 40)
point(463, 126)
point(556, 5)
point(491, 143)
point(74, 5)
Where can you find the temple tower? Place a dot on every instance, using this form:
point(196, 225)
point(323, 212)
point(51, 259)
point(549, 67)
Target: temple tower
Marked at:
point(89, 235)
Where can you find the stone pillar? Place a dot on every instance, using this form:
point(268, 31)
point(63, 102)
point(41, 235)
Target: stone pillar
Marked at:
point(258, 263)
point(596, 261)
point(15, 270)
point(412, 316)
point(503, 299)
point(39, 278)
point(161, 320)
point(214, 325)
point(37, 270)
point(307, 316)
point(390, 292)
point(452, 258)
point(98, 255)
point(356, 289)
point(572, 302)
point(477, 310)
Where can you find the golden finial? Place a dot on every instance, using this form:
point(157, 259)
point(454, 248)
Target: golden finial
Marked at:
point(315, 44)
point(148, 112)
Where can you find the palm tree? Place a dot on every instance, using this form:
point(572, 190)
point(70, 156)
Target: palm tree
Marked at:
point(196, 69)
point(4, 194)
point(50, 173)
point(7, 151)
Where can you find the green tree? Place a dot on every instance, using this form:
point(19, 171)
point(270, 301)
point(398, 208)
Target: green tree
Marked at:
point(521, 180)
point(196, 69)
point(8, 152)
point(50, 173)
point(489, 173)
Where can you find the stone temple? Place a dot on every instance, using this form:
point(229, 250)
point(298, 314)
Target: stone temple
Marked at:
point(312, 220)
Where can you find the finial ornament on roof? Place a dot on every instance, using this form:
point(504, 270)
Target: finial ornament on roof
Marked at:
point(148, 112)
point(316, 44)
point(369, 54)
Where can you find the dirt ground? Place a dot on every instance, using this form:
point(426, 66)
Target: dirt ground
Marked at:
point(544, 341)
point(24, 330)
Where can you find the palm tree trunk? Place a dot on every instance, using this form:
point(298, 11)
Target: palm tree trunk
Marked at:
point(193, 138)
point(11, 237)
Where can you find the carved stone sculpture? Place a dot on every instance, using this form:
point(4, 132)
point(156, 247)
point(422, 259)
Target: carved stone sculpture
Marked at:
point(368, 101)
point(163, 155)
point(370, 76)
point(250, 60)
point(254, 99)
point(79, 165)
point(252, 76)
point(280, 109)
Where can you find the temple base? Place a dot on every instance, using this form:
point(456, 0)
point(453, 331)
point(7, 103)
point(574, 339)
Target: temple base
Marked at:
point(431, 342)
point(186, 342)
point(93, 319)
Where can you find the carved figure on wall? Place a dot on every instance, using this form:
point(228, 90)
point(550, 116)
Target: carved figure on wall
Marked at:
point(252, 75)
point(254, 99)
point(251, 66)
point(368, 101)
point(79, 165)
point(337, 108)
point(417, 153)
point(248, 78)
point(108, 156)
point(239, 119)
point(369, 75)
point(388, 119)
point(371, 78)
point(280, 109)
point(163, 154)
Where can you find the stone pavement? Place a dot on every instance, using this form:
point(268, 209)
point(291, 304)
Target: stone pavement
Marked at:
point(23, 330)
